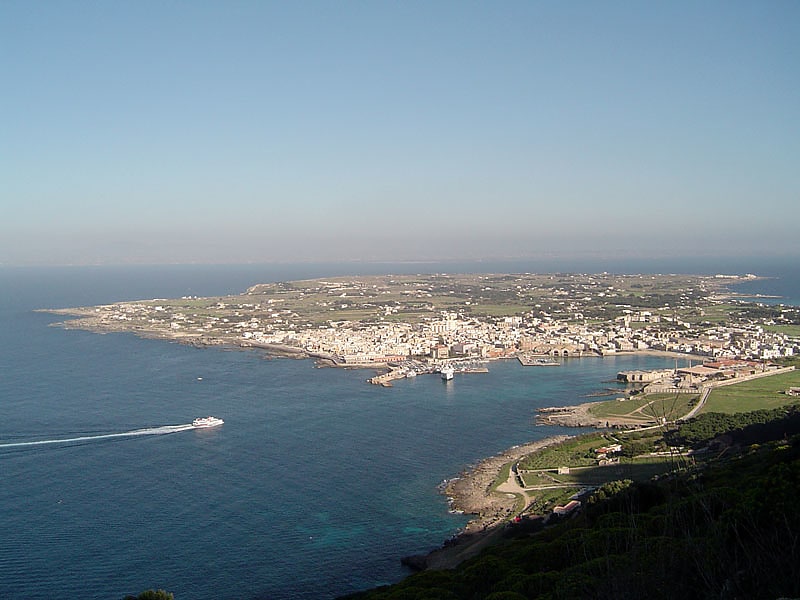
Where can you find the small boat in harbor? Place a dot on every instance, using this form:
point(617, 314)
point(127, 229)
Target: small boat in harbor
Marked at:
point(447, 373)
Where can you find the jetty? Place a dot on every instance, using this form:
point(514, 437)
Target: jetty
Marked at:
point(386, 379)
point(537, 360)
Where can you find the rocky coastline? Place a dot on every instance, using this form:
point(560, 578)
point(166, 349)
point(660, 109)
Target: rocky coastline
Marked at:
point(473, 492)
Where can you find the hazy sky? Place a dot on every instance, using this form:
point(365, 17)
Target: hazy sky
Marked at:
point(162, 132)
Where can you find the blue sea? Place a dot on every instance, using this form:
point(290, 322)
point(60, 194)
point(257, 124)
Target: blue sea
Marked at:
point(316, 485)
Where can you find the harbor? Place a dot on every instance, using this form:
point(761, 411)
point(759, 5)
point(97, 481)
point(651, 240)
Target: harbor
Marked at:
point(412, 368)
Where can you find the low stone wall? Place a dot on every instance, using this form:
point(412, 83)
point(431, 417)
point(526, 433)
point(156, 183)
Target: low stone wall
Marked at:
point(670, 390)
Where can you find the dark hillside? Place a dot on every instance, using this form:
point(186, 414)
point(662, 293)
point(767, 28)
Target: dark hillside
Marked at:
point(726, 529)
point(739, 428)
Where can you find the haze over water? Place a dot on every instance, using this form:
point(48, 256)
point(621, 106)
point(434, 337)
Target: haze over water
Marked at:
point(217, 132)
point(315, 486)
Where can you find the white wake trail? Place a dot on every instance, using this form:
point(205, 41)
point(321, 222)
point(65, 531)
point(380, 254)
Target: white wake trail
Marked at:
point(137, 432)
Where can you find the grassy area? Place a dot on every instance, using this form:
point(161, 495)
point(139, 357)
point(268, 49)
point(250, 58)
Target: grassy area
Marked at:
point(715, 313)
point(641, 468)
point(638, 469)
point(545, 500)
point(790, 330)
point(766, 392)
point(540, 469)
point(571, 453)
point(499, 310)
point(646, 408)
point(502, 476)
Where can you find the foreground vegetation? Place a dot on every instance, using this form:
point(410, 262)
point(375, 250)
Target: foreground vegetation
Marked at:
point(722, 527)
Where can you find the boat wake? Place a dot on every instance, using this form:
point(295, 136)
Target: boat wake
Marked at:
point(163, 430)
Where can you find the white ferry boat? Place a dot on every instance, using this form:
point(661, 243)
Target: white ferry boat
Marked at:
point(447, 373)
point(207, 422)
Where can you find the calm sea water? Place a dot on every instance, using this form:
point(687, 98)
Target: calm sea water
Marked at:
point(315, 486)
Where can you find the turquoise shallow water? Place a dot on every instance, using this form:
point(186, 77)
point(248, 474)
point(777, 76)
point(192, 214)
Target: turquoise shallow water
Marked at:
point(315, 486)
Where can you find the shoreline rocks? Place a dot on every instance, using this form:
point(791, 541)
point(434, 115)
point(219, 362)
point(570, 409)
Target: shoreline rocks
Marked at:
point(471, 493)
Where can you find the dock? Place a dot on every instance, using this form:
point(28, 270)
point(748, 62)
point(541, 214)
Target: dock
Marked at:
point(386, 379)
point(537, 361)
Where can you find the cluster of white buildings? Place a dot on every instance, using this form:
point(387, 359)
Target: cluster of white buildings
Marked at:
point(455, 336)
point(449, 334)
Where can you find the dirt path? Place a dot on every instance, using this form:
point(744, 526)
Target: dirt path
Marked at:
point(472, 491)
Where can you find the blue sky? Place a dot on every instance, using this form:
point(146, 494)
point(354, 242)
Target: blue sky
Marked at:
point(162, 132)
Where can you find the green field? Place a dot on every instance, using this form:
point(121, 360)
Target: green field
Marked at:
point(790, 330)
point(574, 452)
point(638, 469)
point(545, 500)
point(499, 310)
point(648, 408)
point(766, 392)
point(715, 313)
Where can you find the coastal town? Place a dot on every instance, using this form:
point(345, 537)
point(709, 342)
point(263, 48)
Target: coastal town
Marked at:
point(405, 326)
point(409, 325)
